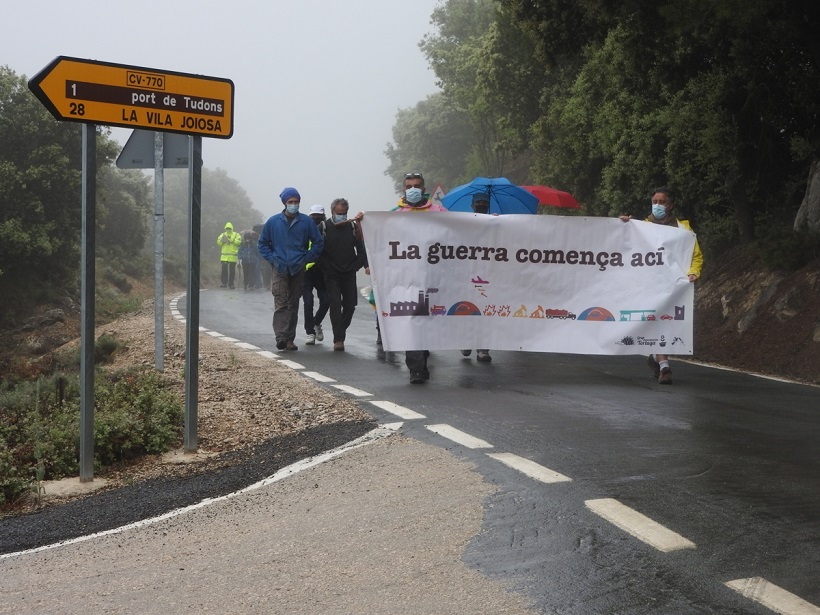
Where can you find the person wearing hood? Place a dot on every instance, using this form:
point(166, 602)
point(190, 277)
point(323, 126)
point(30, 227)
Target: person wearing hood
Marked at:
point(229, 242)
point(663, 205)
point(289, 241)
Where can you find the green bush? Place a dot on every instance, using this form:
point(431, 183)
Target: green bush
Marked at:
point(135, 414)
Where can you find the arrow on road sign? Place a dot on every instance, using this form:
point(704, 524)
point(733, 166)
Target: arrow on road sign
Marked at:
point(94, 92)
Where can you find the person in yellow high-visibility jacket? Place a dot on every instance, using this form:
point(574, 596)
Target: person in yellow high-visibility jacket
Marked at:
point(663, 204)
point(229, 241)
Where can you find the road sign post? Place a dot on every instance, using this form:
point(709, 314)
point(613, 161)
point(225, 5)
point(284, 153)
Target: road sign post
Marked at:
point(92, 92)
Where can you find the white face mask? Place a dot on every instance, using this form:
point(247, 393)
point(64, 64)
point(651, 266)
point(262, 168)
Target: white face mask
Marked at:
point(292, 208)
point(412, 195)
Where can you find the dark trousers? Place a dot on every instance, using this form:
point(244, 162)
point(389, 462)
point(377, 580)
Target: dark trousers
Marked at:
point(266, 271)
point(312, 318)
point(416, 360)
point(249, 274)
point(228, 274)
point(286, 290)
point(343, 295)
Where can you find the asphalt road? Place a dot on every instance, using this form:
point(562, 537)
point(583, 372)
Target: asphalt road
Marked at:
point(612, 494)
point(728, 461)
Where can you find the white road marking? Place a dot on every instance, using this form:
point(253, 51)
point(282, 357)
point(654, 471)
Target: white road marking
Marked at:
point(214, 334)
point(641, 527)
point(378, 433)
point(268, 354)
point(319, 377)
point(292, 364)
point(248, 346)
point(530, 468)
point(399, 411)
point(352, 390)
point(465, 439)
point(225, 338)
point(773, 597)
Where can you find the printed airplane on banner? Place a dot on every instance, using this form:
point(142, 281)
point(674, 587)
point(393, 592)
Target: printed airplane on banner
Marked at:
point(533, 283)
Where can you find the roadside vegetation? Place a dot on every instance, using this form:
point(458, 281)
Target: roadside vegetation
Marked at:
point(40, 235)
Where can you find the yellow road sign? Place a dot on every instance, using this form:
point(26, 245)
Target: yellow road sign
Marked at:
point(78, 90)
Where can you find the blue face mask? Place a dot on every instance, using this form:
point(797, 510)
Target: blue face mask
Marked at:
point(412, 195)
point(337, 218)
point(292, 209)
point(659, 211)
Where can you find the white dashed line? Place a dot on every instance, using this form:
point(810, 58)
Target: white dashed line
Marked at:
point(230, 339)
point(214, 334)
point(641, 527)
point(268, 354)
point(399, 411)
point(451, 433)
point(530, 468)
point(773, 597)
point(352, 390)
point(248, 346)
point(319, 377)
point(291, 364)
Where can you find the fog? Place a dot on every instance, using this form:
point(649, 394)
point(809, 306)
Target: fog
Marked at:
point(317, 83)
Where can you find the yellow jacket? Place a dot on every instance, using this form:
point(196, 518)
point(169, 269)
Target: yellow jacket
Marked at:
point(229, 242)
point(697, 255)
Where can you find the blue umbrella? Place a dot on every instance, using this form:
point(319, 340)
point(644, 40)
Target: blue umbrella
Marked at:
point(505, 197)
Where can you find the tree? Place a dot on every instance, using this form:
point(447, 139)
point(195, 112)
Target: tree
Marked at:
point(40, 161)
point(457, 54)
point(431, 138)
point(719, 98)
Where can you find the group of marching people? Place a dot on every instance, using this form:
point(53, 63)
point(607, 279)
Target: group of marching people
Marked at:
point(335, 252)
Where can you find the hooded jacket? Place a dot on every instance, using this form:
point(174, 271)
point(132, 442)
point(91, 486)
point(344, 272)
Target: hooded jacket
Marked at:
point(229, 242)
point(290, 243)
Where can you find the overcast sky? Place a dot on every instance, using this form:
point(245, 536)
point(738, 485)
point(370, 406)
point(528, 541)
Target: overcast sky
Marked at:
point(317, 82)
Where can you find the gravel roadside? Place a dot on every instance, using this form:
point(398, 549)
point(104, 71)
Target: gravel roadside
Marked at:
point(381, 528)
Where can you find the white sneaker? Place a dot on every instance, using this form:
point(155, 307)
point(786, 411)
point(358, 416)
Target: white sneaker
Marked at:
point(311, 340)
point(319, 334)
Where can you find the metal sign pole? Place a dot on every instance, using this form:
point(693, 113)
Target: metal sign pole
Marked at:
point(192, 320)
point(159, 253)
point(89, 205)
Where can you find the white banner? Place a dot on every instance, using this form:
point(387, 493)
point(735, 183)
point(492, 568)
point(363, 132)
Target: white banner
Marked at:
point(526, 282)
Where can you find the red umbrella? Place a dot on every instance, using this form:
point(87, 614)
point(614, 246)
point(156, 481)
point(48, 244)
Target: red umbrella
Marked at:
point(552, 197)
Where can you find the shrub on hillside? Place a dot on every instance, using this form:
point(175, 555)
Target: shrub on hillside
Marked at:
point(135, 414)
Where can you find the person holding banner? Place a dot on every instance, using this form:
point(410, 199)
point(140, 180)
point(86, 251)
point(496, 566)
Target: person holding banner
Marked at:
point(414, 200)
point(663, 204)
point(480, 205)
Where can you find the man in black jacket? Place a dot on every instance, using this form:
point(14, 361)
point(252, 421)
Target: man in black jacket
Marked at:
point(343, 256)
